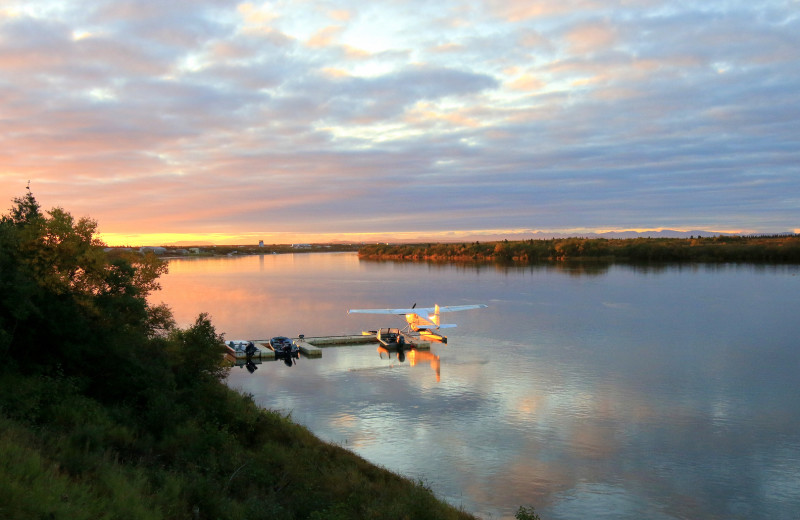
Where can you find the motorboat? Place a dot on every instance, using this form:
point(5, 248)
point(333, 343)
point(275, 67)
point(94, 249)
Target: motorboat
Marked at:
point(284, 347)
point(393, 339)
point(241, 349)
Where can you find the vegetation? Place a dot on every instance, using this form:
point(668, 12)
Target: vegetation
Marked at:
point(780, 249)
point(526, 513)
point(108, 410)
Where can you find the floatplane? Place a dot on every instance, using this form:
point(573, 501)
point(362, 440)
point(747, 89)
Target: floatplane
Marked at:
point(426, 326)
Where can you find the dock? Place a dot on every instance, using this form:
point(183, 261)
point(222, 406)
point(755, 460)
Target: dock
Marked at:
point(312, 346)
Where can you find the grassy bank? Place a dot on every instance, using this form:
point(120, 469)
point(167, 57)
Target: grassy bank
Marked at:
point(65, 455)
point(108, 410)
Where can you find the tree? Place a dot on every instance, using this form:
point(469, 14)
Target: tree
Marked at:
point(57, 283)
point(526, 513)
point(196, 353)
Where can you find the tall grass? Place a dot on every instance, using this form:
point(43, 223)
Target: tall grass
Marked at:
point(66, 455)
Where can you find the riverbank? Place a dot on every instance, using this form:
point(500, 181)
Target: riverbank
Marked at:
point(108, 409)
point(65, 455)
point(778, 249)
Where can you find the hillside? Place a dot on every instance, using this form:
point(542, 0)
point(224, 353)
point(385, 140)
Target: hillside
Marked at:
point(108, 410)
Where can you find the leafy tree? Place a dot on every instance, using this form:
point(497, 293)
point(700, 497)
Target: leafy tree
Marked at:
point(57, 284)
point(195, 354)
point(526, 513)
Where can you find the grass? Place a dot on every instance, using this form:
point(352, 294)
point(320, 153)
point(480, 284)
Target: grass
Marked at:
point(65, 455)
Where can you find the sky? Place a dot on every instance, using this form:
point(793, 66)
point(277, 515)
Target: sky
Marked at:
point(229, 122)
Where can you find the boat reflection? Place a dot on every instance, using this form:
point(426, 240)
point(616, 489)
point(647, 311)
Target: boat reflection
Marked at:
point(250, 363)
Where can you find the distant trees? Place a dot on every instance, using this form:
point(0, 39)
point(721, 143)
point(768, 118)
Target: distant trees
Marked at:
point(781, 248)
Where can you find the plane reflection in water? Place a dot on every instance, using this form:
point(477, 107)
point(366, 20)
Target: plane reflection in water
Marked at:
point(414, 357)
point(421, 356)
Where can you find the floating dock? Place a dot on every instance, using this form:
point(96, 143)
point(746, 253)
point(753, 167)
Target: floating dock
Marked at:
point(312, 346)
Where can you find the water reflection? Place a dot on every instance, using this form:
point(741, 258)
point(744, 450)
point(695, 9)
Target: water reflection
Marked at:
point(658, 392)
point(415, 357)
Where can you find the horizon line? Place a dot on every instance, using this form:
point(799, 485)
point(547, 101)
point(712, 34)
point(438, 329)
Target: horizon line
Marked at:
point(284, 238)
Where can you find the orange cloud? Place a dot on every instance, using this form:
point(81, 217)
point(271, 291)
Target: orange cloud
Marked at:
point(591, 38)
point(335, 73)
point(340, 15)
point(447, 47)
point(256, 18)
point(527, 83)
point(356, 53)
point(325, 37)
point(425, 113)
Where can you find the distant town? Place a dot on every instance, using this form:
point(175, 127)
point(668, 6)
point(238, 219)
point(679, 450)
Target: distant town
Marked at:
point(232, 250)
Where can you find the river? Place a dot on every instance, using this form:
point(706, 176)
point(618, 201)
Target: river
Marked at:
point(586, 391)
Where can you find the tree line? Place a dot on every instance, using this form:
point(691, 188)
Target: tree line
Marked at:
point(723, 248)
point(109, 410)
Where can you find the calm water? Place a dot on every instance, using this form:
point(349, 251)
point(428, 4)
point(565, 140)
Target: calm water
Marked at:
point(624, 393)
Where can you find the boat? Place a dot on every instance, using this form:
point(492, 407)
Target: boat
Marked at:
point(284, 347)
point(393, 339)
point(241, 349)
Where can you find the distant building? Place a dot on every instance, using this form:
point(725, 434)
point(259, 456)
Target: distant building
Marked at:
point(194, 250)
point(301, 246)
point(260, 243)
point(154, 250)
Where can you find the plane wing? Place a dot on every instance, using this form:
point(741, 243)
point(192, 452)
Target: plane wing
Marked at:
point(387, 311)
point(419, 310)
point(453, 308)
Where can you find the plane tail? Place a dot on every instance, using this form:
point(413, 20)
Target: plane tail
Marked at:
point(435, 318)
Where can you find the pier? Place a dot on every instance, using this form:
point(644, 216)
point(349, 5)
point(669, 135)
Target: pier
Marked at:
point(311, 347)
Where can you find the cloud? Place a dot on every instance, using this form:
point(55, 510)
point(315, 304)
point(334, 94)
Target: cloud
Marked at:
point(498, 115)
point(325, 37)
point(590, 38)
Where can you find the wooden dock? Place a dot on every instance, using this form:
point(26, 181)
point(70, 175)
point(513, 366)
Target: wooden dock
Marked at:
point(312, 346)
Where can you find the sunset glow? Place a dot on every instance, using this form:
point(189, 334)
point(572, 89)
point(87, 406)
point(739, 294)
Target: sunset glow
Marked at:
point(234, 122)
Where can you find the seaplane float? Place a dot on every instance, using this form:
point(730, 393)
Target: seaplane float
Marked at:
point(424, 321)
